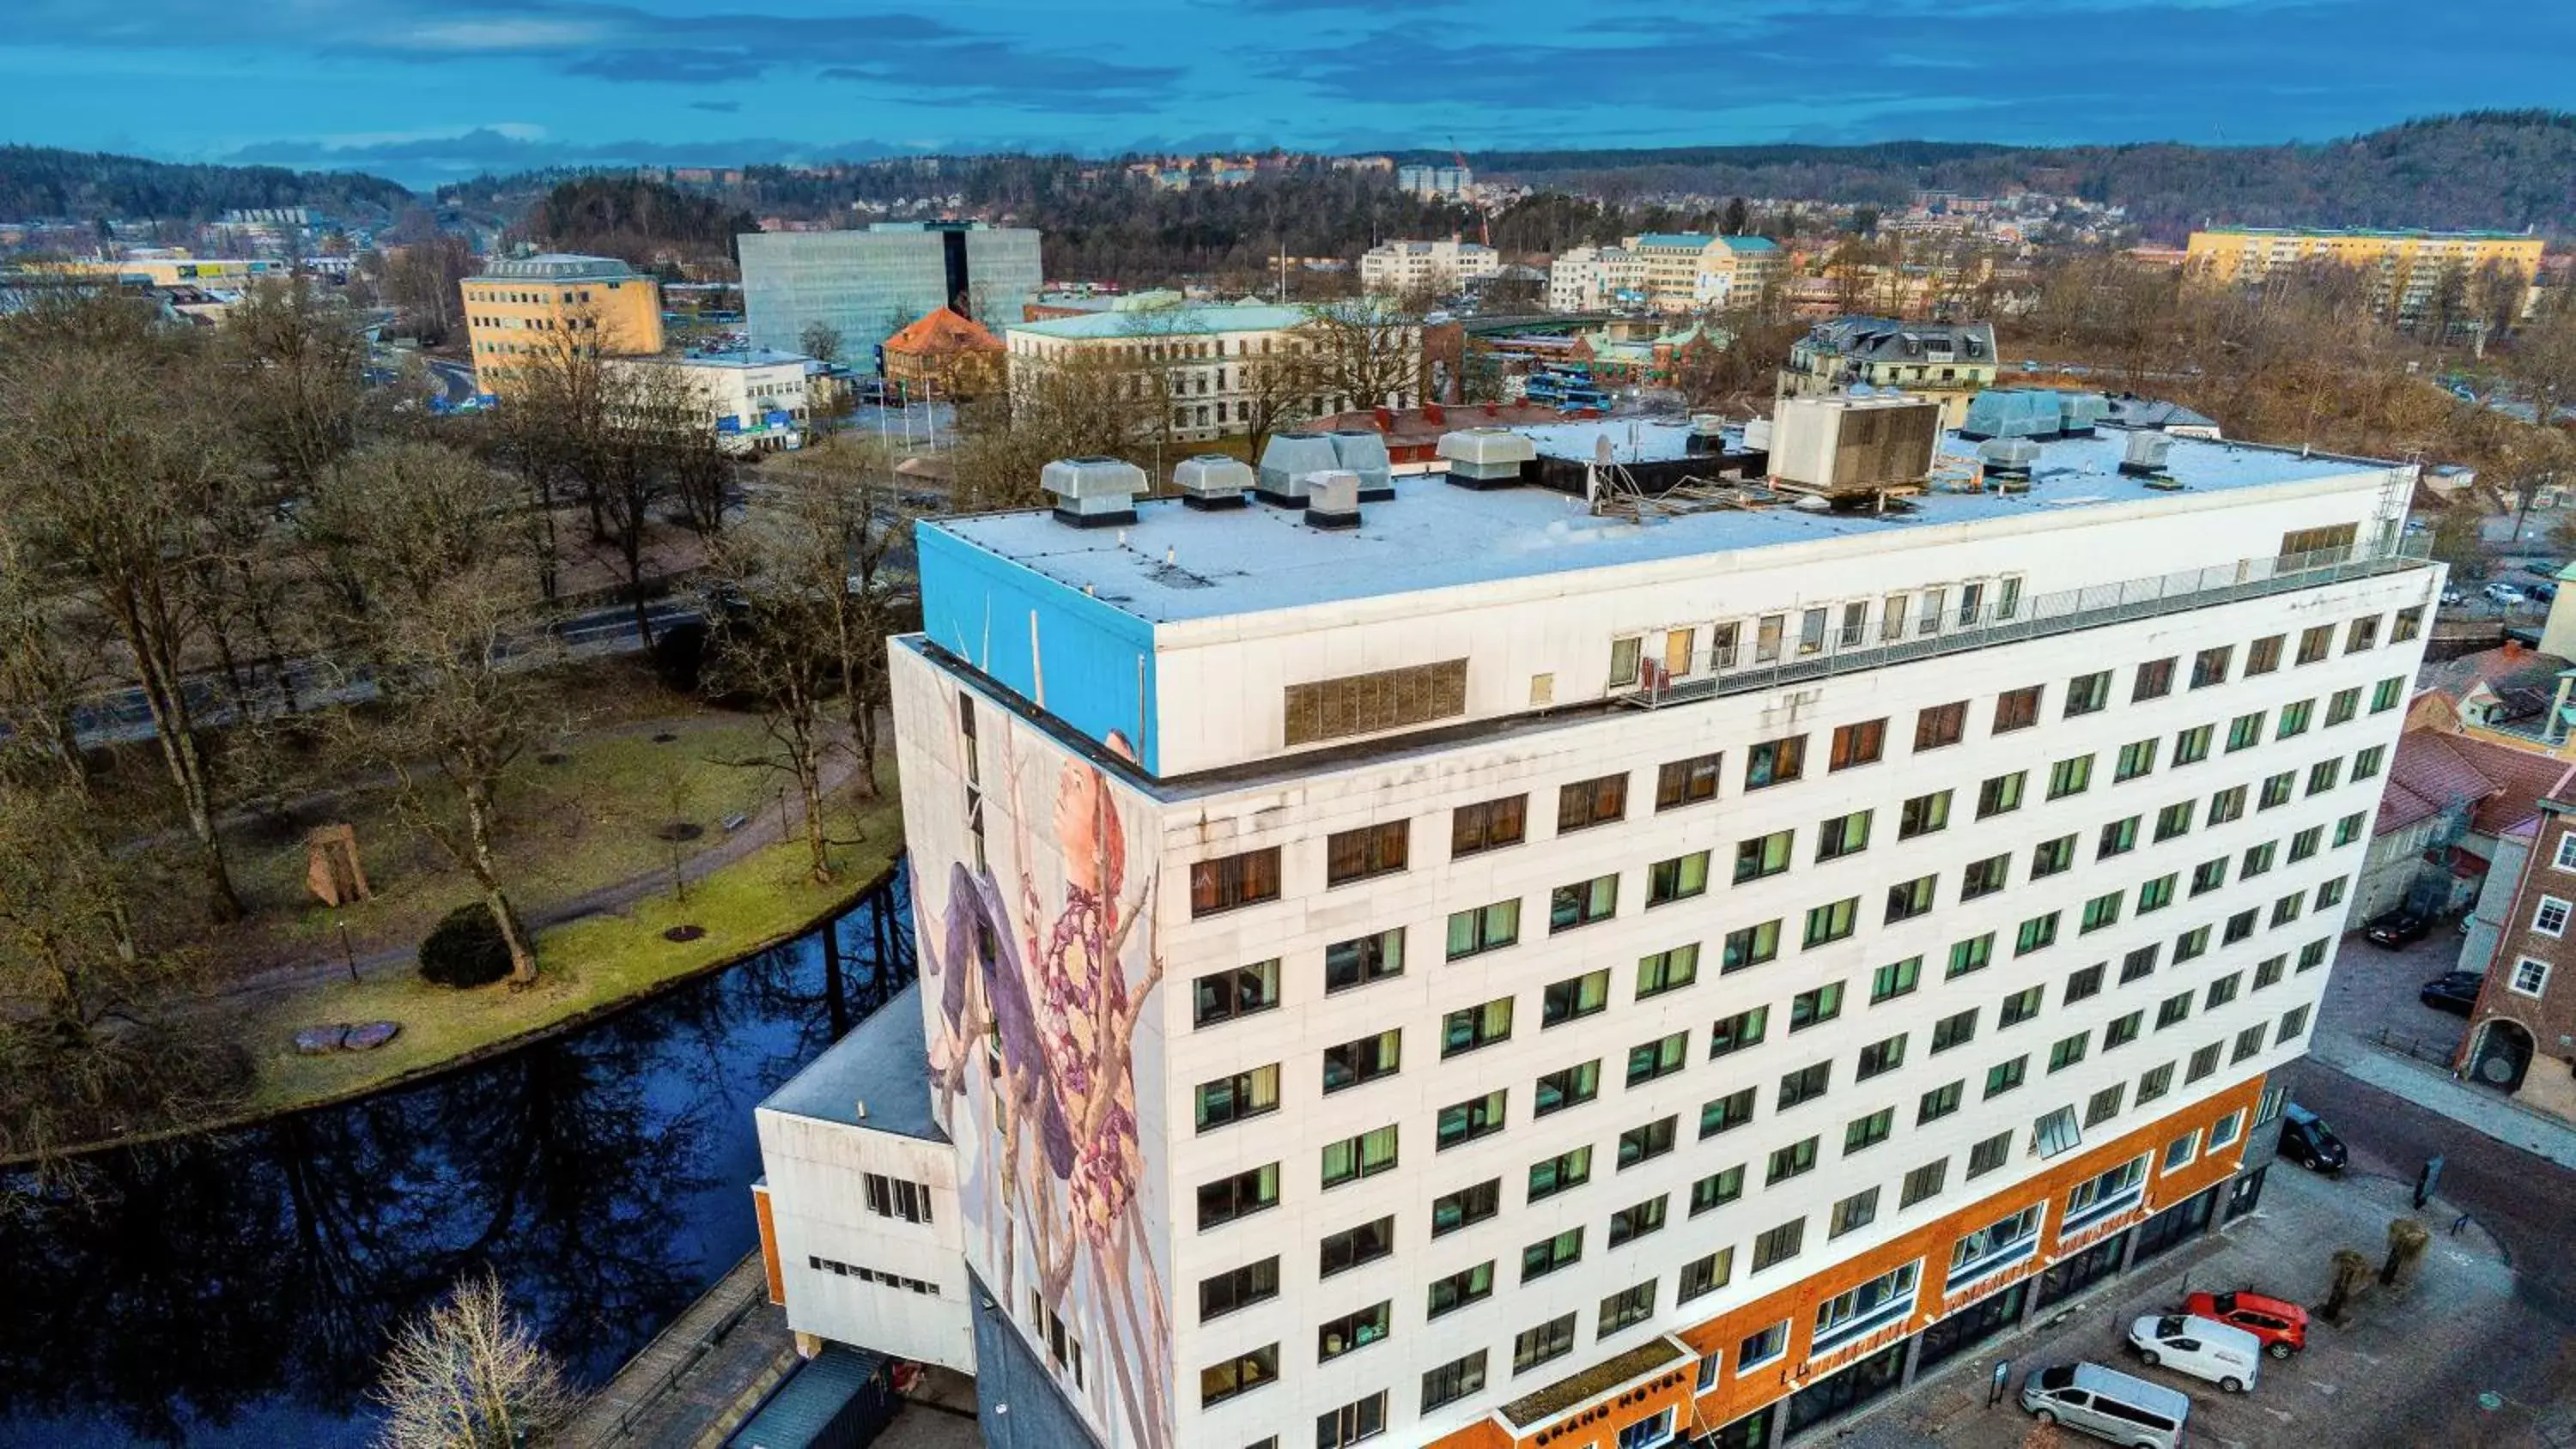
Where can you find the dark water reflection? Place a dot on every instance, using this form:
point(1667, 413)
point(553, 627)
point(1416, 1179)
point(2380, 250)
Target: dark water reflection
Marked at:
point(236, 1289)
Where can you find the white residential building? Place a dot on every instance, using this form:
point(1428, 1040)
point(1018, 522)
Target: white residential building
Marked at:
point(1594, 279)
point(1500, 975)
point(1427, 266)
point(1435, 183)
point(756, 402)
point(1211, 360)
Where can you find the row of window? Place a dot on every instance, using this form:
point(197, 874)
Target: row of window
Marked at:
point(872, 1275)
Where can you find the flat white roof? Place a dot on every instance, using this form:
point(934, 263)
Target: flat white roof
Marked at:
point(1436, 535)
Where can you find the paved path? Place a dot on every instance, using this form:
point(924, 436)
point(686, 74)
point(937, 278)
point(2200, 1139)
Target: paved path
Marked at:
point(699, 1377)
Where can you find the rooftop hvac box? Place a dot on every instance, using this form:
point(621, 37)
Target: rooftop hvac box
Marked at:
point(1838, 445)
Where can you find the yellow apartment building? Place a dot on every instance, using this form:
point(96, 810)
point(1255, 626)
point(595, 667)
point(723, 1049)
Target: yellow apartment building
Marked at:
point(2407, 265)
point(529, 306)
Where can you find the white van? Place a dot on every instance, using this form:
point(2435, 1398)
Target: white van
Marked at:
point(2107, 1404)
point(2201, 1347)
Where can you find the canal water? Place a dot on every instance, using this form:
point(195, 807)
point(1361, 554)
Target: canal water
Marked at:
point(236, 1289)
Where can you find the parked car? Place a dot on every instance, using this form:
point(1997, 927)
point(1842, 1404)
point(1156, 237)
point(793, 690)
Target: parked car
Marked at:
point(2107, 1404)
point(2454, 596)
point(2453, 991)
point(2282, 1326)
point(2504, 594)
point(2309, 1142)
point(2201, 1347)
point(2545, 593)
point(2398, 928)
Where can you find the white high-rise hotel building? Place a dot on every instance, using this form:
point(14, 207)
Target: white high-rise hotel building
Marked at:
point(1500, 976)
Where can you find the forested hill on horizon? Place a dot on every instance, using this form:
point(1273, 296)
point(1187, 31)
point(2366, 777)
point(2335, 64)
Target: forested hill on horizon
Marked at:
point(45, 181)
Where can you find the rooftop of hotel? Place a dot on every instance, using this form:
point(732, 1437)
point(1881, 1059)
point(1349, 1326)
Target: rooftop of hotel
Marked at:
point(553, 267)
point(1178, 564)
point(882, 1063)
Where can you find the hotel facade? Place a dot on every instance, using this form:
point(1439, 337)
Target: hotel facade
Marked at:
point(1502, 976)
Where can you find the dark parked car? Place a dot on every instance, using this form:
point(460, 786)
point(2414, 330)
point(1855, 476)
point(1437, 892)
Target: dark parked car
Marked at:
point(2307, 1141)
point(2397, 928)
point(2453, 991)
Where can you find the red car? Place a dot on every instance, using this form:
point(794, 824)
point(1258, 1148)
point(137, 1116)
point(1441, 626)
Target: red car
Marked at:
point(2283, 1327)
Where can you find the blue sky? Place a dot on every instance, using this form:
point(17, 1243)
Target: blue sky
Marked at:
point(424, 90)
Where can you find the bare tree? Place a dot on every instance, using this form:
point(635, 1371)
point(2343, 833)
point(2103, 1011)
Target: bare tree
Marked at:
point(422, 538)
point(1082, 404)
point(842, 534)
point(1367, 352)
point(770, 644)
point(298, 355)
point(820, 341)
point(469, 1374)
point(1279, 388)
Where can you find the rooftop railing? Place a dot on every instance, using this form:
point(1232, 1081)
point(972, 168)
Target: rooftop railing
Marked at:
point(1801, 657)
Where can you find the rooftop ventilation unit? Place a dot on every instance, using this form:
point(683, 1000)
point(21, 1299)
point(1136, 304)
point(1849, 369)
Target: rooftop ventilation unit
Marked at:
point(1333, 499)
point(2007, 463)
point(2080, 412)
point(1853, 447)
point(1486, 457)
point(1286, 460)
point(1363, 451)
point(1093, 492)
point(1212, 481)
point(1757, 435)
point(2146, 455)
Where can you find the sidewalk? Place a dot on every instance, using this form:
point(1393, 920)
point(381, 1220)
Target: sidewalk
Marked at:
point(2436, 1090)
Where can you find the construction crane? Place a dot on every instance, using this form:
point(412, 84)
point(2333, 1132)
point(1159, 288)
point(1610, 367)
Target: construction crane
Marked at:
point(1484, 224)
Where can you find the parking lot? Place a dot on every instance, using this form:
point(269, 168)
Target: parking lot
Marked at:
point(2373, 990)
point(2400, 1376)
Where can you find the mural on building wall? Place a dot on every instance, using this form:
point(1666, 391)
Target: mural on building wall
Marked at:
point(1042, 973)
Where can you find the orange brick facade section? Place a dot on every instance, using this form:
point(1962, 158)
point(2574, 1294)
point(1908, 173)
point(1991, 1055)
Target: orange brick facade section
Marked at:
point(1734, 1397)
point(769, 1246)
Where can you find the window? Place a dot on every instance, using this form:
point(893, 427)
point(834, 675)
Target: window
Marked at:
point(1761, 1348)
point(2224, 1131)
point(2306, 843)
point(1725, 1114)
point(1228, 1291)
point(2294, 719)
point(2270, 971)
point(1810, 1007)
point(1763, 855)
point(1353, 963)
point(2293, 1022)
point(2263, 656)
point(1337, 1336)
point(1489, 826)
point(1364, 1060)
point(2315, 642)
point(1735, 1033)
point(2036, 934)
point(2052, 856)
point(2136, 758)
point(1560, 1173)
point(2055, 1132)
point(1811, 632)
point(1855, 624)
point(1352, 1247)
point(2276, 790)
point(2154, 680)
point(2385, 695)
point(1243, 991)
point(2330, 893)
point(1749, 946)
point(1880, 1057)
point(1832, 922)
point(1953, 1030)
point(1866, 1132)
point(1253, 1093)
point(1453, 1381)
point(1677, 879)
point(1858, 744)
point(1485, 928)
point(1922, 1182)
point(2100, 912)
point(1704, 1275)
point(2070, 777)
point(1923, 815)
point(2000, 794)
point(1985, 877)
point(2155, 1083)
point(1686, 782)
point(1940, 725)
point(1805, 1084)
point(1972, 598)
point(2118, 838)
point(1471, 1285)
point(1626, 1307)
point(2173, 1010)
point(2203, 1062)
point(2066, 1051)
point(1229, 1198)
point(1466, 1207)
point(2017, 709)
point(896, 1197)
point(1642, 1144)
point(2003, 1077)
point(2210, 666)
point(1766, 637)
point(2550, 919)
point(1583, 902)
point(1941, 1101)
point(2366, 763)
point(1353, 1158)
point(2363, 634)
point(1843, 835)
point(1578, 996)
point(1235, 880)
point(2021, 1006)
point(1775, 762)
point(1352, 1423)
point(2245, 732)
point(1367, 703)
point(1587, 803)
point(1371, 850)
point(1778, 1245)
point(1468, 1028)
point(1553, 1339)
point(1667, 970)
point(2529, 978)
point(1240, 1374)
point(1567, 1087)
point(2192, 745)
point(1986, 1156)
point(1661, 1057)
point(2342, 706)
point(2257, 859)
point(1466, 1121)
point(2156, 894)
point(2209, 875)
point(2241, 924)
point(2324, 775)
point(2123, 1030)
point(1891, 617)
point(1637, 1220)
point(1895, 980)
point(2086, 693)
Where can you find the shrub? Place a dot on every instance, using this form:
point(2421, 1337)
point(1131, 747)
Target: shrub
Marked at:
point(466, 949)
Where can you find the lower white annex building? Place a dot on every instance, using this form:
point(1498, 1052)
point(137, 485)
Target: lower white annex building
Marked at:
point(1476, 970)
